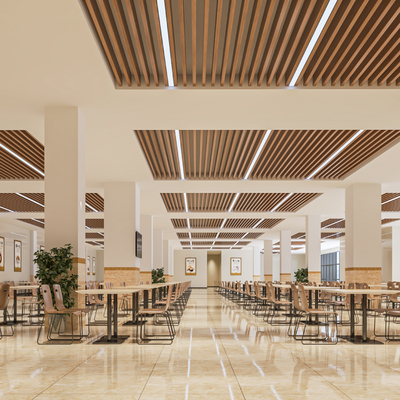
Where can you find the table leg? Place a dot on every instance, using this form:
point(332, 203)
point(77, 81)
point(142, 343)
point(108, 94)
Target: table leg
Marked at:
point(316, 304)
point(352, 316)
point(146, 299)
point(291, 302)
point(153, 296)
point(109, 305)
point(364, 316)
point(115, 316)
point(15, 306)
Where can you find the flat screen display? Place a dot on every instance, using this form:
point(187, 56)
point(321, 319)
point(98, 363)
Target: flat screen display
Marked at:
point(138, 245)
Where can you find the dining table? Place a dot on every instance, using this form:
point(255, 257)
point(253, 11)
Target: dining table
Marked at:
point(353, 338)
point(15, 305)
point(112, 336)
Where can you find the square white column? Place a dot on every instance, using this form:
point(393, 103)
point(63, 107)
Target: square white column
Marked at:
point(313, 247)
point(146, 263)
point(395, 253)
point(286, 255)
point(268, 261)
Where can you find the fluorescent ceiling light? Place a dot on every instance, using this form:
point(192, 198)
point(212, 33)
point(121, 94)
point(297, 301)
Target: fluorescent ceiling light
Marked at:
point(333, 223)
point(88, 205)
point(394, 198)
point(185, 198)
point(21, 159)
point(87, 227)
point(257, 153)
point(27, 198)
point(33, 219)
point(188, 222)
point(6, 209)
point(336, 153)
point(313, 41)
point(97, 243)
point(190, 235)
point(223, 223)
point(100, 233)
point(244, 235)
point(178, 146)
point(258, 223)
point(279, 204)
point(233, 202)
point(216, 237)
point(162, 15)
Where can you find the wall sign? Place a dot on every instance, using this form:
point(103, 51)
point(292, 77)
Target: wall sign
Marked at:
point(94, 265)
point(190, 266)
point(236, 266)
point(88, 265)
point(17, 256)
point(2, 254)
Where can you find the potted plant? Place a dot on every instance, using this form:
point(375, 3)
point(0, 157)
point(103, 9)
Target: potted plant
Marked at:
point(54, 267)
point(157, 275)
point(301, 275)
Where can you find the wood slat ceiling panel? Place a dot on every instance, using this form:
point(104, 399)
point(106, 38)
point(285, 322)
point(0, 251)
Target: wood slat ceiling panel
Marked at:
point(242, 223)
point(209, 202)
point(393, 205)
point(202, 243)
point(333, 223)
point(161, 153)
point(94, 235)
point(254, 235)
point(96, 201)
point(237, 248)
point(179, 223)
point(182, 235)
point(269, 223)
point(297, 201)
point(95, 223)
point(24, 145)
point(174, 202)
point(358, 45)
point(231, 235)
point(204, 235)
point(298, 235)
point(205, 223)
point(16, 203)
point(368, 145)
point(243, 243)
point(95, 244)
point(185, 243)
point(389, 220)
point(33, 222)
point(262, 202)
point(330, 235)
point(224, 243)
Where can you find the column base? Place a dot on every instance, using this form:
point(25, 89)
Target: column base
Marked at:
point(286, 277)
point(169, 278)
point(256, 278)
point(314, 276)
point(129, 275)
point(370, 275)
point(268, 278)
point(145, 277)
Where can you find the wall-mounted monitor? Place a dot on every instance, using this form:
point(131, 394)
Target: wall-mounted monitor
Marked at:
point(138, 245)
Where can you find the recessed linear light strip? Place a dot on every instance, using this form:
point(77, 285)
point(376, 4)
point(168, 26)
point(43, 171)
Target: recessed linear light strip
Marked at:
point(186, 203)
point(233, 202)
point(98, 243)
point(258, 223)
point(279, 204)
point(336, 153)
point(394, 198)
point(92, 208)
point(33, 219)
point(257, 153)
point(234, 245)
point(27, 198)
point(223, 223)
point(188, 223)
point(162, 15)
point(244, 235)
point(333, 223)
point(3, 208)
point(322, 22)
point(21, 159)
point(178, 146)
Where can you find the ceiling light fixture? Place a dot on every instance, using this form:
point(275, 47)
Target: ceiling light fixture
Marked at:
point(190, 235)
point(92, 208)
point(87, 227)
point(33, 219)
point(258, 223)
point(27, 198)
point(233, 202)
point(324, 19)
point(223, 223)
point(178, 146)
point(216, 237)
point(188, 222)
point(100, 234)
point(257, 153)
point(162, 15)
point(185, 198)
point(97, 243)
point(394, 198)
point(336, 153)
point(244, 235)
point(280, 203)
point(333, 223)
point(3, 208)
point(21, 159)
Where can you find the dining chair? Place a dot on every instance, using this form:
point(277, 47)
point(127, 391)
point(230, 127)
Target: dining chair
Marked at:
point(4, 292)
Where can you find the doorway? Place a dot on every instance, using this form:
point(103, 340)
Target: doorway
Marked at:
point(213, 267)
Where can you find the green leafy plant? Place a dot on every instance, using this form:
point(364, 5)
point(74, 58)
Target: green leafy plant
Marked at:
point(56, 267)
point(301, 275)
point(157, 275)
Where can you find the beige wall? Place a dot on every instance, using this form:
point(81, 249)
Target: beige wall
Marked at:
point(213, 268)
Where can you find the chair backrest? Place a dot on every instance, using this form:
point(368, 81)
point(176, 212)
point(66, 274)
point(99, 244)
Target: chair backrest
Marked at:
point(247, 287)
point(58, 297)
point(47, 299)
point(271, 292)
point(295, 297)
point(390, 285)
point(4, 291)
point(169, 296)
point(303, 298)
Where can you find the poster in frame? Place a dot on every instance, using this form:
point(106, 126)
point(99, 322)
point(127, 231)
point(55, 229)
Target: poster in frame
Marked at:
point(17, 256)
point(41, 248)
point(190, 266)
point(2, 253)
point(236, 266)
point(88, 265)
point(93, 265)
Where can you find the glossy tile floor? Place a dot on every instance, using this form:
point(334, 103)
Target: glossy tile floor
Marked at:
point(220, 352)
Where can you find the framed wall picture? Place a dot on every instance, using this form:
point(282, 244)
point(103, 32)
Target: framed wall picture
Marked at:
point(17, 256)
point(236, 266)
point(41, 248)
point(2, 254)
point(88, 265)
point(190, 266)
point(94, 265)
